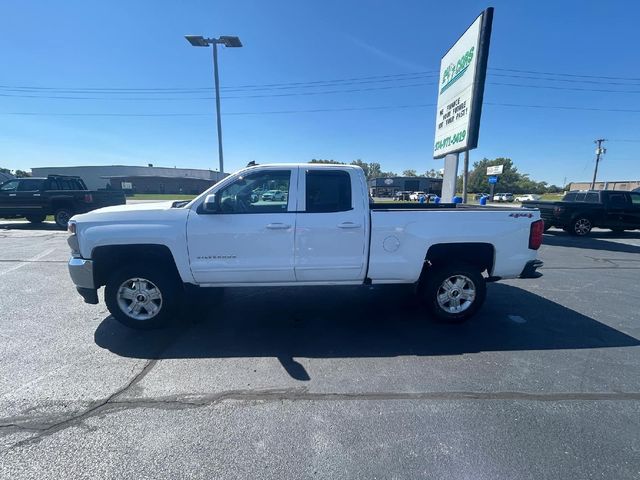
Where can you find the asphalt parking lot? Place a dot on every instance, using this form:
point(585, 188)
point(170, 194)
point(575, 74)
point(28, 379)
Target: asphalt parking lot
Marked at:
point(325, 383)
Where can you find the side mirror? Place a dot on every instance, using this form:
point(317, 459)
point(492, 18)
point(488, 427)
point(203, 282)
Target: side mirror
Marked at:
point(210, 204)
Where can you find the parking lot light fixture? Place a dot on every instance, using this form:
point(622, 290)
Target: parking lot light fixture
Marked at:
point(228, 41)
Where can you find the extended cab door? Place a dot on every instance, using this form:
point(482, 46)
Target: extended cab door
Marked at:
point(28, 199)
point(331, 226)
point(250, 238)
point(8, 197)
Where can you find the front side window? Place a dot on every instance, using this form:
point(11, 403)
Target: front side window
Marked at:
point(617, 200)
point(328, 191)
point(11, 186)
point(30, 185)
point(262, 192)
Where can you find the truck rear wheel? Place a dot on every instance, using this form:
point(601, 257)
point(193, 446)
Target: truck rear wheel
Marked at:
point(454, 293)
point(36, 218)
point(142, 297)
point(62, 217)
point(581, 226)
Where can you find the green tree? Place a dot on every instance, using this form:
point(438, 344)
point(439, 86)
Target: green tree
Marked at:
point(410, 173)
point(5, 170)
point(22, 174)
point(332, 162)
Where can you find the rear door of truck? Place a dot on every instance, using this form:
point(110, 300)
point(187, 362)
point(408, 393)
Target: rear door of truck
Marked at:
point(332, 228)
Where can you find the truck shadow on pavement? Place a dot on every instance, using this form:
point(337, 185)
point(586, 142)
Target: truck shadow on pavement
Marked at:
point(358, 322)
point(23, 225)
point(595, 241)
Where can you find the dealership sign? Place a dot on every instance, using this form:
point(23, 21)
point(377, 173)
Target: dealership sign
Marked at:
point(495, 170)
point(461, 87)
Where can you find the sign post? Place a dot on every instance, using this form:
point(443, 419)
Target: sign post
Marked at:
point(463, 70)
point(493, 173)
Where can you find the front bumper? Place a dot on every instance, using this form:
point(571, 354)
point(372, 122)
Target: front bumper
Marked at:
point(81, 272)
point(529, 270)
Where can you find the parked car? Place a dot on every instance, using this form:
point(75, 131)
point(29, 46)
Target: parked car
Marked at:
point(415, 196)
point(58, 195)
point(274, 196)
point(402, 196)
point(503, 197)
point(331, 235)
point(579, 212)
point(531, 197)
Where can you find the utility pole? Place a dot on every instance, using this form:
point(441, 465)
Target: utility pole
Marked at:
point(599, 151)
point(465, 176)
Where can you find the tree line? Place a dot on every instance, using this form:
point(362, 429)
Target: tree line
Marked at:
point(17, 173)
point(374, 170)
point(511, 180)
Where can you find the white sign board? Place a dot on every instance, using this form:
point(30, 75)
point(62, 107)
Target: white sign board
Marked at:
point(460, 89)
point(495, 170)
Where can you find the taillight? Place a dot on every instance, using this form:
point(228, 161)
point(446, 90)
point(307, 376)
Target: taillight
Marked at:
point(88, 198)
point(535, 234)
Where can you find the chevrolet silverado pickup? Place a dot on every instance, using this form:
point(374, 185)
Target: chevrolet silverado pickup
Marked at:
point(325, 230)
point(59, 195)
point(579, 212)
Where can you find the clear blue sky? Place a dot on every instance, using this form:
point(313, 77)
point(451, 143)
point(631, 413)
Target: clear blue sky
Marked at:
point(80, 45)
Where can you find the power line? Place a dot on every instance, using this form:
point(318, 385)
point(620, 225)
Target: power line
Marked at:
point(317, 110)
point(562, 74)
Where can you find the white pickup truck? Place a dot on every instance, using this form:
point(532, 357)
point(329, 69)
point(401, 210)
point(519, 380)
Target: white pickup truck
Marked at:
point(323, 230)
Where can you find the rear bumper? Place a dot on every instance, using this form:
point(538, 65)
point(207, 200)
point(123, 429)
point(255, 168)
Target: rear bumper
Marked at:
point(530, 268)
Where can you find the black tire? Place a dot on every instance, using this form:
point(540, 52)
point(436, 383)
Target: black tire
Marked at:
point(580, 226)
point(138, 277)
point(469, 279)
point(62, 216)
point(36, 218)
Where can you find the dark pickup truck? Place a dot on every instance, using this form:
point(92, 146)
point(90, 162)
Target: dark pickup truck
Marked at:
point(57, 195)
point(579, 212)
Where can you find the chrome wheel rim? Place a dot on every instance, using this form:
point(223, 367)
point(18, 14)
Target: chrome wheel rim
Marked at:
point(582, 226)
point(456, 294)
point(139, 299)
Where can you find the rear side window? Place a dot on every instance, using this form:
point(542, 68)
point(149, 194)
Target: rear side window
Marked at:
point(580, 197)
point(635, 199)
point(328, 191)
point(592, 198)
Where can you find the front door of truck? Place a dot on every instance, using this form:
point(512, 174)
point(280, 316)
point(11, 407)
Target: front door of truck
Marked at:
point(249, 239)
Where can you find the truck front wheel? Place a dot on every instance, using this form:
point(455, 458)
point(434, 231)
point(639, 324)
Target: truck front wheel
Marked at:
point(453, 294)
point(142, 297)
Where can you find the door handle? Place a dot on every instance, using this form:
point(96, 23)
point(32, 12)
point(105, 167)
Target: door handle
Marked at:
point(36, 194)
point(12, 194)
point(349, 225)
point(278, 226)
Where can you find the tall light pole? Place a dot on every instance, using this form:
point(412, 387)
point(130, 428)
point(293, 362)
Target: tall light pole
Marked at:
point(227, 41)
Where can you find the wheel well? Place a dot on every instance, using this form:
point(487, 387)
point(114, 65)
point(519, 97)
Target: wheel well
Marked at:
point(478, 254)
point(107, 259)
point(56, 204)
